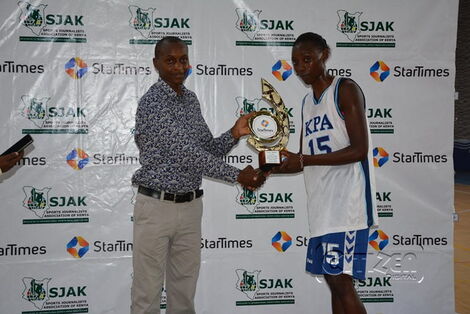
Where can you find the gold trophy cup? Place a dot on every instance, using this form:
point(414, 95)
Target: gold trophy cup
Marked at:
point(269, 132)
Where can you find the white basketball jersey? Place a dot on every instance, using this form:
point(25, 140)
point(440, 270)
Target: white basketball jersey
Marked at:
point(339, 198)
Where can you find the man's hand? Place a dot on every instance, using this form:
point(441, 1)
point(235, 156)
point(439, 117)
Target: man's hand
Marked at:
point(8, 161)
point(251, 178)
point(290, 163)
point(241, 126)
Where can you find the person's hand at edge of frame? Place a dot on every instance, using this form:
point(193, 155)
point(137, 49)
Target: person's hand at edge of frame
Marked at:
point(8, 161)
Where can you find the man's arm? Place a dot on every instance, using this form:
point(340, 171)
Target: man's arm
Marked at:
point(220, 146)
point(170, 138)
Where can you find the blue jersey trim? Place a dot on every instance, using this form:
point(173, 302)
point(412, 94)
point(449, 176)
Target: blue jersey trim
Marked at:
point(336, 98)
point(315, 101)
point(365, 170)
point(302, 116)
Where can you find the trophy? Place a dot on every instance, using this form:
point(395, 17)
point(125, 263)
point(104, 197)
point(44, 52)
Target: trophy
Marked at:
point(269, 132)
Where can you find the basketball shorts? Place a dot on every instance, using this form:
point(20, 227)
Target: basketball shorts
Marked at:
point(338, 253)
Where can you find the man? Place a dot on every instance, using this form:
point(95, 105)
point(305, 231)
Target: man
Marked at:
point(8, 161)
point(335, 159)
point(176, 150)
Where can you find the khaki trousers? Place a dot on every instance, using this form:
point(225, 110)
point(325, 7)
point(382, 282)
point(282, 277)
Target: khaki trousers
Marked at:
point(167, 243)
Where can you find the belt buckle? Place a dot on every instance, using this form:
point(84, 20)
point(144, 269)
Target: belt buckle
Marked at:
point(192, 196)
point(167, 196)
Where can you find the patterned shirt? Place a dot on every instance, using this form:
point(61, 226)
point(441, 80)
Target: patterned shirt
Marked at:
point(175, 144)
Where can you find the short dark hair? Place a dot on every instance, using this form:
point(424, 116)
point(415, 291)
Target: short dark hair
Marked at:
point(312, 38)
point(167, 39)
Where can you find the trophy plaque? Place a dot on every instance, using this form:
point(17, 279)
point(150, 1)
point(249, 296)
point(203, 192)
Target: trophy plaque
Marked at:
point(269, 132)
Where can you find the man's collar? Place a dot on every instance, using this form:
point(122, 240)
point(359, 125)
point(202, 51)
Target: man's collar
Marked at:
point(170, 91)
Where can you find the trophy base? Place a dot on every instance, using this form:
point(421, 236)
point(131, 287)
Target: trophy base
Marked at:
point(269, 159)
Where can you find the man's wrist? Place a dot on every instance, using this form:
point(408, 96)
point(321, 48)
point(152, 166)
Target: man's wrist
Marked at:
point(234, 133)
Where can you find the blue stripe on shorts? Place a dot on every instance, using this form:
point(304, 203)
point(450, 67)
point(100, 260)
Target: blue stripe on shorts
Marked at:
point(338, 253)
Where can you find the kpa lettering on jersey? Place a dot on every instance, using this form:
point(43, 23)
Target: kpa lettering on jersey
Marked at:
point(317, 123)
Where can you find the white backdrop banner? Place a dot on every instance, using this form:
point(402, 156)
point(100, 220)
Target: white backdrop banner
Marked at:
point(71, 75)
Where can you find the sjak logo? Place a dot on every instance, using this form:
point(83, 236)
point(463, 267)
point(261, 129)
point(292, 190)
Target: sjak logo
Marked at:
point(36, 200)
point(141, 20)
point(248, 282)
point(245, 105)
point(33, 17)
point(35, 291)
point(349, 24)
point(38, 111)
point(35, 109)
point(39, 201)
point(248, 22)
point(248, 199)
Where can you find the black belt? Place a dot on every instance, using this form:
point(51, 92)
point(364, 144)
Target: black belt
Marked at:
point(172, 197)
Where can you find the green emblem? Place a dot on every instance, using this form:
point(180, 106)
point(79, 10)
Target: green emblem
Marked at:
point(36, 200)
point(248, 282)
point(248, 22)
point(141, 20)
point(32, 16)
point(35, 291)
point(349, 24)
point(246, 105)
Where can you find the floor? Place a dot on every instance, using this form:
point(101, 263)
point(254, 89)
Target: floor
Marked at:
point(462, 245)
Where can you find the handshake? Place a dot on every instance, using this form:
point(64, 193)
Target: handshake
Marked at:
point(254, 178)
point(251, 178)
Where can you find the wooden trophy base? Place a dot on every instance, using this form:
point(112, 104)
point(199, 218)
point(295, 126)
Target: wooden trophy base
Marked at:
point(269, 159)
